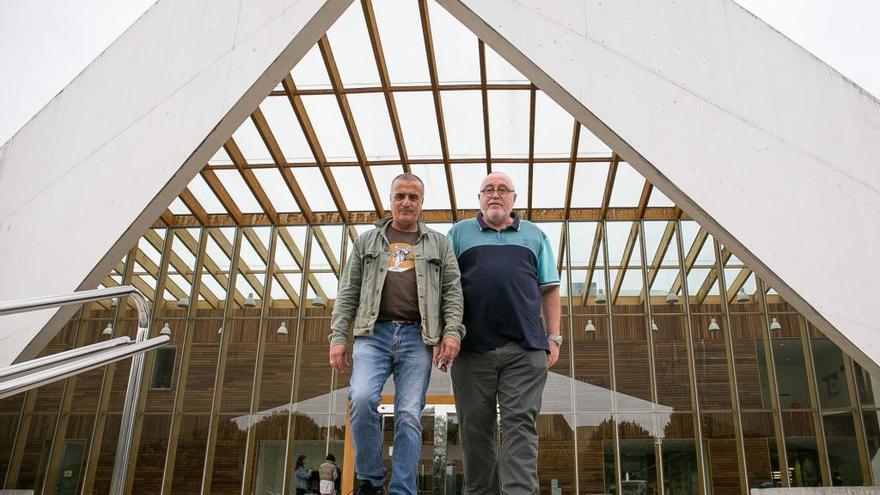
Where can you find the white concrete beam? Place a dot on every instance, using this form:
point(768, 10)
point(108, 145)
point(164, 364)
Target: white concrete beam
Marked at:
point(770, 149)
point(97, 166)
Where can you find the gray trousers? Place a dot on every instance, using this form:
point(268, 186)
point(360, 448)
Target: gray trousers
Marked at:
point(515, 377)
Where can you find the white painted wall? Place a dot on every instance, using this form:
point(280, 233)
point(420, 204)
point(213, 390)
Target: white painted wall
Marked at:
point(769, 148)
point(87, 176)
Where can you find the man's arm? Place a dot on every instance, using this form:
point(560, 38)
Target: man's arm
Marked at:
point(452, 307)
point(552, 311)
point(344, 309)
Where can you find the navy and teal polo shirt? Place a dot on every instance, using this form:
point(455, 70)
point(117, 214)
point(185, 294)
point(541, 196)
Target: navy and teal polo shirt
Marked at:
point(502, 276)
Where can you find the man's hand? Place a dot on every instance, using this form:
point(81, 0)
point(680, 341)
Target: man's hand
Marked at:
point(339, 359)
point(554, 354)
point(445, 353)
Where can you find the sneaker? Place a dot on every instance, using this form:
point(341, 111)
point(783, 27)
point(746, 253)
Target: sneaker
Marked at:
point(367, 488)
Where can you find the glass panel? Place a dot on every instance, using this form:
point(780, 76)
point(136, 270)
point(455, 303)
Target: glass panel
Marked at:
point(314, 188)
point(215, 274)
point(800, 442)
point(310, 72)
point(509, 123)
point(163, 368)
point(374, 125)
point(872, 433)
point(710, 357)
point(843, 451)
point(590, 145)
point(382, 177)
point(285, 127)
point(352, 48)
point(831, 380)
point(323, 111)
point(455, 48)
point(658, 199)
point(749, 356)
point(402, 40)
point(628, 185)
point(519, 174)
point(499, 70)
point(638, 460)
point(190, 457)
point(462, 113)
point(670, 362)
point(549, 189)
point(788, 353)
point(436, 192)
point(553, 128)
point(205, 196)
point(719, 444)
point(250, 143)
point(595, 453)
point(867, 385)
point(238, 190)
point(418, 121)
point(467, 178)
point(679, 456)
point(276, 190)
point(762, 458)
point(353, 188)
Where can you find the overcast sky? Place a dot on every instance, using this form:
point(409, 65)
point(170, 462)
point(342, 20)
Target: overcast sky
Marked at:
point(44, 44)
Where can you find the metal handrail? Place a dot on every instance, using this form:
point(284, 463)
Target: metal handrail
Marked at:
point(66, 364)
point(33, 365)
point(89, 362)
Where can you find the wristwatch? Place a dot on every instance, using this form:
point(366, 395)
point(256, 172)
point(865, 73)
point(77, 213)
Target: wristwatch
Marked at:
point(555, 338)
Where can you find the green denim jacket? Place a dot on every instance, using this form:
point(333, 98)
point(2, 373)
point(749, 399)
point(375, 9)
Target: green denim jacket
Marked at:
point(437, 278)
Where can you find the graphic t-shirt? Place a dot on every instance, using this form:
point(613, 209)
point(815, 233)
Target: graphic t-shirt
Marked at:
point(400, 296)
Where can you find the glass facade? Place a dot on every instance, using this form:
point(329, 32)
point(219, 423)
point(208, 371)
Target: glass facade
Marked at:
point(681, 373)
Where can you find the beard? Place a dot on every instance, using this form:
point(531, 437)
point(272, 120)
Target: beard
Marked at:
point(496, 215)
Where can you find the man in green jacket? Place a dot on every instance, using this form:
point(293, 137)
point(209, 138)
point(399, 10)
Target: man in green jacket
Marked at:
point(401, 293)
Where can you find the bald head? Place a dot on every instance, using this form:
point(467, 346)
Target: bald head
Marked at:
point(496, 199)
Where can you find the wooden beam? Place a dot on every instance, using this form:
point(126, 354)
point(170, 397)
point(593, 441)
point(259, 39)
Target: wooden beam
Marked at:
point(644, 198)
point(662, 248)
point(305, 123)
point(609, 184)
point(594, 255)
point(691, 257)
point(531, 173)
point(242, 267)
point(408, 88)
point(291, 246)
point(350, 126)
point(412, 161)
point(429, 216)
point(438, 104)
point(222, 195)
point(186, 196)
point(484, 92)
point(711, 277)
point(624, 261)
point(569, 184)
point(385, 80)
point(250, 179)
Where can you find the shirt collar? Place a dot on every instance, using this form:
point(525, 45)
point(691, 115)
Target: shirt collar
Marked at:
point(483, 225)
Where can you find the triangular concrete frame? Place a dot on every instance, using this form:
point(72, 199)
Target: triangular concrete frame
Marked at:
point(764, 145)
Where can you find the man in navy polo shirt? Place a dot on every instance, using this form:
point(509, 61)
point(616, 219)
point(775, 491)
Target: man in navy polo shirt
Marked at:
point(509, 280)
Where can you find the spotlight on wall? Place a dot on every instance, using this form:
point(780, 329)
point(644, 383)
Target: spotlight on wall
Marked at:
point(600, 297)
point(590, 327)
point(742, 297)
point(282, 330)
point(318, 302)
point(671, 297)
point(114, 302)
point(775, 326)
point(249, 301)
point(713, 325)
point(653, 325)
point(166, 330)
point(108, 330)
point(219, 330)
point(183, 302)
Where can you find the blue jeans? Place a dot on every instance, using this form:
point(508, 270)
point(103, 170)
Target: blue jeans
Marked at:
point(393, 349)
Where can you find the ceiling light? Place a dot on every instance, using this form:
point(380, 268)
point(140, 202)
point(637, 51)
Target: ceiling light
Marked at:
point(166, 330)
point(282, 330)
point(183, 302)
point(742, 297)
point(600, 297)
point(590, 327)
point(250, 302)
point(671, 297)
point(713, 326)
point(220, 330)
point(114, 302)
point(318, 302)
point(775, 326)
point(653, 325)
point(108, 330)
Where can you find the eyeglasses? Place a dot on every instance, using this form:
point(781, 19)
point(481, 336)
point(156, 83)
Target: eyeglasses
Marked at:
point(490, 191)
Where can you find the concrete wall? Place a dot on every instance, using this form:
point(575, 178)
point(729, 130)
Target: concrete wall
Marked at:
point(765, 145)
point(88, 175)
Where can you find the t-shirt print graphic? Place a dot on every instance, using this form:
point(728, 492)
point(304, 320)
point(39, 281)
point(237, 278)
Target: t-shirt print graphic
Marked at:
point(402, 258)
